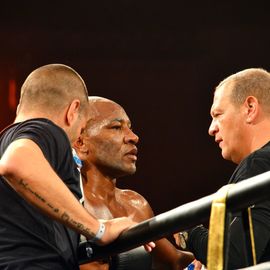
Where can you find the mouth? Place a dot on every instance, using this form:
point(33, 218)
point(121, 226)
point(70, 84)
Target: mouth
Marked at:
point(132, 154)
point(219, 142)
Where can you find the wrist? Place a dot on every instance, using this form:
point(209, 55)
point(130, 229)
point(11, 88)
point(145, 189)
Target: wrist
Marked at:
point(100, 233)
point(182, 240)
point(185, 237)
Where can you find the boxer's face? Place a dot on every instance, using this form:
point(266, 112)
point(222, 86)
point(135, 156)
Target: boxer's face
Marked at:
point(110, 140)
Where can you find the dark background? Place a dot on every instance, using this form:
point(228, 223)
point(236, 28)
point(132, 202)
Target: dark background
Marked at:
point(161, 60)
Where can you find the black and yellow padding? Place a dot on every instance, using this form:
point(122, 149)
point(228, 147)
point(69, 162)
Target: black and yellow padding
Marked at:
point(215, 258)
point(215, 253)
point(252, 240)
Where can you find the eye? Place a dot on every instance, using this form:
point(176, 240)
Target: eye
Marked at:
point(216, 114)
point(117, 127)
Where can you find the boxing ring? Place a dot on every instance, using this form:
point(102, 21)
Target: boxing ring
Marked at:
point(241, 196)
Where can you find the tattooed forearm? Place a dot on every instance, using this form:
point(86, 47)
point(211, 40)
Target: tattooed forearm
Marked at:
point(85, 231)
point(38, 196)
point(26, 186)
point(65, 216)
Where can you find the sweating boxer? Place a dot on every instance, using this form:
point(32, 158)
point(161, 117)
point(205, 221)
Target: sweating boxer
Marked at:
point(108, 149)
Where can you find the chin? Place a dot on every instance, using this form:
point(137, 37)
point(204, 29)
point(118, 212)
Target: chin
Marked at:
point(125, 171)
point(226, 156)
point(131, 170)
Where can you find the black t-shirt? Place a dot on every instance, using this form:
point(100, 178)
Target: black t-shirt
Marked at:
point(28, 238)
point(256, 163)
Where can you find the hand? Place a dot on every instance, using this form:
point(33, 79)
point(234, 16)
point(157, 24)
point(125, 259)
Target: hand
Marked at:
point(198, 265)
point(149, 246)
point(114, 227)
point(185, 258)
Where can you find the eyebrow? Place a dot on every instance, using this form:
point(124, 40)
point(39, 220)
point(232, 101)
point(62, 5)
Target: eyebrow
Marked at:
point(121, 120)
point(211, 111)
point(117, 119)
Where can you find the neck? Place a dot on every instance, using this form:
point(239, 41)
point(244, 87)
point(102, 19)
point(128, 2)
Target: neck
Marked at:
point(99, 185)
point(258, 140)
point(258, 136)
point(56, 118)
point(26, 116)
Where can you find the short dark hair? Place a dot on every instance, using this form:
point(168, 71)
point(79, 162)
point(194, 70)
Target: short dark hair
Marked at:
point(52, 87)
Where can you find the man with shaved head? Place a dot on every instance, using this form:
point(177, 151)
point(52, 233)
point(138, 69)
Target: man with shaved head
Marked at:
point(41, 217)
point(108, 149)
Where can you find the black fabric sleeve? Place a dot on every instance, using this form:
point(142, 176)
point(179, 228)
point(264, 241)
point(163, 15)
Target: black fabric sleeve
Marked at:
point(51, 139)
point(197, 243)
point(56, 148)
point(198, 237)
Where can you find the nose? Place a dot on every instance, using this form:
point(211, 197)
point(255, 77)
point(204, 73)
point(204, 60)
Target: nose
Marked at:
point(213, 128)
point(131, 137)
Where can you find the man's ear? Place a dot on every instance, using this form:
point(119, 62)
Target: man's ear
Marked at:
point(81, 148)
point(73, 111)
point(252, 108)
point(18, 108)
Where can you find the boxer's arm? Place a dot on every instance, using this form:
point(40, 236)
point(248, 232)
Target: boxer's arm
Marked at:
point(165, 255)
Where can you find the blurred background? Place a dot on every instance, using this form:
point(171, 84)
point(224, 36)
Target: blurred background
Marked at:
point(160, 60)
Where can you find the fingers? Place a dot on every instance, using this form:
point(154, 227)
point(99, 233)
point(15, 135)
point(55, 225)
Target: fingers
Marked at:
point(197, 265)
point(114, 227)
point(149, 246)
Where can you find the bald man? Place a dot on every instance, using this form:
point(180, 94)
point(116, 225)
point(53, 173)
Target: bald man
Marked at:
point(41, 217)
point(108, 150)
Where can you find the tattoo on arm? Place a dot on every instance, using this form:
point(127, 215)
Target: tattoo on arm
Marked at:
point(85, 231)
point(38, 196)
point(65, 217)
